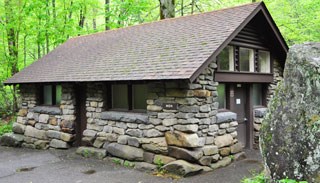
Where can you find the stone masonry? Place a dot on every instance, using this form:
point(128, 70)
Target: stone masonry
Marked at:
point(190, 133)
point(43, 127)
point(258, 115)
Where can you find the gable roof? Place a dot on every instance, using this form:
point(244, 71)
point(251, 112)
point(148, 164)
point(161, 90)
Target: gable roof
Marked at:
point(177, 48)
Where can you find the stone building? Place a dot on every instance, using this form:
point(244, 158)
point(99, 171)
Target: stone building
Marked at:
point(191, 88)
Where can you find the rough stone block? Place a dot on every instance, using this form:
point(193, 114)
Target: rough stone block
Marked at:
point(183, 168)
point(98, 143)
point(152, 133)
point(224, 140)
point(169, 122)
point(222, 163)
point(187, 128)
point(181, 139)
point(123, 139)
point(185, 154)
point(33, 132)
point(165, 115)
point(11, 139)
point(92, 152)
point(18, 128)
point(89, 133)
point(47, 110)
point(225, 151)
point(210, 150)
point(154, 108)
point(58, 144)
point(134, 132)
point(132, 141)
point(236, 148)
point(125, 152)
point(53, 134)
point(162, 159)
point(205, 160)
point(189, 109)
point(148, 157)
point(23, 112)
point(226, 117)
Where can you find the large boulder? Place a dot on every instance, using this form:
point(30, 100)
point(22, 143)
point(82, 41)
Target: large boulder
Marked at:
point(290, 133)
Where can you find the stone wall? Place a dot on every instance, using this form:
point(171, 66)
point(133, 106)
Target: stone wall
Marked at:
point(277, 77)
point(258, 115)
point(43, 127)
point(193, 132)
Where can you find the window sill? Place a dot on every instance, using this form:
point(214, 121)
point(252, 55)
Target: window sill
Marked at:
point(128, 116)
point(247, 77)
point(226, 116)
point(53, 110)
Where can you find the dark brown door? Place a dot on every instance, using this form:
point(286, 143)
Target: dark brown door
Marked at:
point(81, 119)
point(240, 100)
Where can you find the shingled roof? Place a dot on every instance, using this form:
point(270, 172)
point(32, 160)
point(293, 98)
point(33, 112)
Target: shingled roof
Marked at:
point(175, 48)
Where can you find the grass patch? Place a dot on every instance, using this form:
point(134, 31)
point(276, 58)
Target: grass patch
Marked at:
point(260, 178)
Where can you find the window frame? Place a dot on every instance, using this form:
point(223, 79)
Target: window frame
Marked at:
point(234, 64)
point(53, 95)
point(130, 98)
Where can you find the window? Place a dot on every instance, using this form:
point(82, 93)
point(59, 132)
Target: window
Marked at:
point(51, 94)
point(246, 59)
point(120, 97)
point(226, 60)
point(222, 96)
point(264, 61)
point(129, 97)
point(257, 94)
point(234, 58)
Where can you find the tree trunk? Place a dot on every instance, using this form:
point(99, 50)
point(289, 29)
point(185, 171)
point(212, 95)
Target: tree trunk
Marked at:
point(167, 9)
point(54, 14)
point(107, 9)
point(182, 8)
point(192, 6)
point(12, 46)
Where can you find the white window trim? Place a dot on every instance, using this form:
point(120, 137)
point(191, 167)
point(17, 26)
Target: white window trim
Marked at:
point(267, 66)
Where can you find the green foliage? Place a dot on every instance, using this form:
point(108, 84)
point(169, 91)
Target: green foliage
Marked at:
point(260, 178)
point(159, 163)
point(5, 128)
point(128, 164)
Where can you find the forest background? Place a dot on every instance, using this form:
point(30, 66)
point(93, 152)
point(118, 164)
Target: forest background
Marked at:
point(29, 29)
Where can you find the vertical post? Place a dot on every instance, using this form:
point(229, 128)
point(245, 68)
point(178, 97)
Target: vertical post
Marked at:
point(249, 112)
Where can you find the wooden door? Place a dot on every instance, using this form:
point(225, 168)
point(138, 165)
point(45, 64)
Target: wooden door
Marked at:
point(81, 118)
point(240, 107)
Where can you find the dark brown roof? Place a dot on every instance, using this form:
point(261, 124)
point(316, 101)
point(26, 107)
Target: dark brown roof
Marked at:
point(169, 49)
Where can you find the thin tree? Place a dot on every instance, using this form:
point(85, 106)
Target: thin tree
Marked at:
point(167, 9)
point(107, 9)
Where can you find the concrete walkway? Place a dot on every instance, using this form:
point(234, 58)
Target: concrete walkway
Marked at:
point(64, 166)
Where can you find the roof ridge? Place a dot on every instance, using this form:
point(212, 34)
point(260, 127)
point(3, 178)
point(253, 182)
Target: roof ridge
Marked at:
point(168, 19)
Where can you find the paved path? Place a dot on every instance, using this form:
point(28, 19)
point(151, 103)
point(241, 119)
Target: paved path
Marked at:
point(64, 166)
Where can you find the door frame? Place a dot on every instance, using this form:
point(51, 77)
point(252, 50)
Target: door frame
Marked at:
point(248, 109)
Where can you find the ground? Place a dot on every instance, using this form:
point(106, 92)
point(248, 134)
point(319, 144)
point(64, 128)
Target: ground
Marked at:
point(27, 165)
